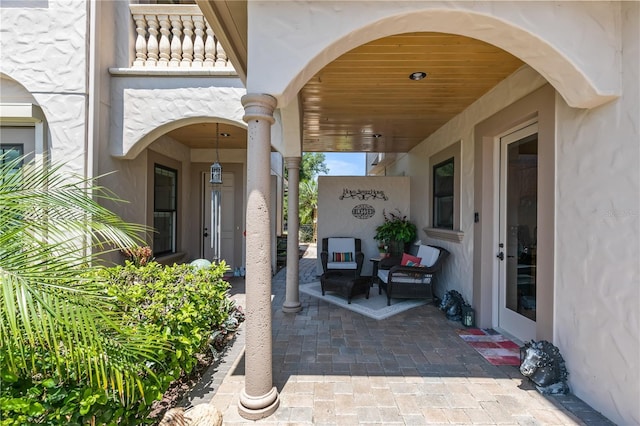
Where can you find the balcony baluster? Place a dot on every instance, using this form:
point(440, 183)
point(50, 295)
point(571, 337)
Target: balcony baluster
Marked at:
point(176, 46)
point(221, 56)
point(175, 37)
point(141, 41)
point(209, 46)
point(152, 41)
point(187, 42)
point(164, 45)
point(198, 44)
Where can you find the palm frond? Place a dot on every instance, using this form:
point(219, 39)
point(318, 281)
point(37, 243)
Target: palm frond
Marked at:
point(52, 230)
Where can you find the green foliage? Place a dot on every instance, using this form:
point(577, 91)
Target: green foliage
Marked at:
point(53, 323)
point(312, 164)
point(308, 201)
point(183, 304)
point(185, 309)
point(395, 228)
point(69, 351)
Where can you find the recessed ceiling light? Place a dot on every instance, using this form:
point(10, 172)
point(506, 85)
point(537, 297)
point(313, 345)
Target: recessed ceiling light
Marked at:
point(225, 135)
point(418, 75)
point(376, 135)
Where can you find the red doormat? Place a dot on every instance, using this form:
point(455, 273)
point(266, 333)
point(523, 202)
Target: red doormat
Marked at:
point(493, 346)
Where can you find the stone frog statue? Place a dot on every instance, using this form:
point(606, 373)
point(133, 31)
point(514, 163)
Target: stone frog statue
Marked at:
point(542, 363)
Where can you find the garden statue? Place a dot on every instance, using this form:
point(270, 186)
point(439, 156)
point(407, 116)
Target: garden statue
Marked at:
point(542, 363)
point(198, 415)
point(452, 304)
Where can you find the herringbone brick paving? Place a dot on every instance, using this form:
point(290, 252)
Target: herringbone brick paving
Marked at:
point(332, 366)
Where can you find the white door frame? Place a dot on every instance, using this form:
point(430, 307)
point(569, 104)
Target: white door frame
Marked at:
point(504, 319)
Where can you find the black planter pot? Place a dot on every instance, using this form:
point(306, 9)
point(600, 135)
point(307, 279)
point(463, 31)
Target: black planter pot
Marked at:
point(396, 248)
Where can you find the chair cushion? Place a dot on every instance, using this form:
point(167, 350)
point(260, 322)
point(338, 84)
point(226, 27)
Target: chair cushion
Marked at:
point(342, 265)
point(341, 245)
point(343, 257)
point(406, 258)
point(428, 254)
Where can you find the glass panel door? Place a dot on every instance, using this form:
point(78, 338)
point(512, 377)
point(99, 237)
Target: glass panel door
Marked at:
point(518, 229)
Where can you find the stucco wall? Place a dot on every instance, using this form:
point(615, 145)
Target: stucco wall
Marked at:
point(335, 218)
point(45, 50)
point(597, 318)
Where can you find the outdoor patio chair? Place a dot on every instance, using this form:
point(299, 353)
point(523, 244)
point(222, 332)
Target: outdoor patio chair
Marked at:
point(413, 276)
point(342, 254)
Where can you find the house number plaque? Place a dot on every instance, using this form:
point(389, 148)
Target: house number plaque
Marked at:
point(363, 211)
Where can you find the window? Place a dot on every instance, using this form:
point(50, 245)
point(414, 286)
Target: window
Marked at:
point(11, 152)
point(443, 194)
point(165, 201)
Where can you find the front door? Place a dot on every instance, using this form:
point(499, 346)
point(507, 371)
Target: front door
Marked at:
point(218, 236)
point(517, 232)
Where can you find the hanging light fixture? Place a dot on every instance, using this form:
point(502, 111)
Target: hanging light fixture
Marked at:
point(216, 168)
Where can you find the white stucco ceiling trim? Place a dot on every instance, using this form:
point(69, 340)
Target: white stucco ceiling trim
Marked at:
point(574, 45)
point(150, 113)
point(20, 113)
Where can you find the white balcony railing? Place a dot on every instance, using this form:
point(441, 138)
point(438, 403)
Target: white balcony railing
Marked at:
point(175, 37)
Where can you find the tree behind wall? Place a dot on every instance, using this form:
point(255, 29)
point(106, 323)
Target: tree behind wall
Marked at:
point(312, 164)
point(309, 206)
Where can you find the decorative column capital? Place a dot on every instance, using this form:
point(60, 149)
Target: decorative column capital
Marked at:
point(292, 162)
point(258, 107)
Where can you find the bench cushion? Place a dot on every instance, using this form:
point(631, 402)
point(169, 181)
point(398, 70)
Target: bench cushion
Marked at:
point(383, 274)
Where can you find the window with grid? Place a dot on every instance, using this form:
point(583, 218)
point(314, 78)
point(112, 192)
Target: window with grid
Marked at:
point(165, 202)
point(443, 194)
point(11, 152)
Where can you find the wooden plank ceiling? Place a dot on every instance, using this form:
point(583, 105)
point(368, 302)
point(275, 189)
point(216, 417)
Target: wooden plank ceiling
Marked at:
point(367, 92)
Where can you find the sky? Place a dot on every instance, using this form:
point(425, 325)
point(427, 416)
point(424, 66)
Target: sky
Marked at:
point(345, 164)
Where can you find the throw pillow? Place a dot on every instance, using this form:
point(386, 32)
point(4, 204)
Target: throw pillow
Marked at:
point(408, 258)
point(343, 257)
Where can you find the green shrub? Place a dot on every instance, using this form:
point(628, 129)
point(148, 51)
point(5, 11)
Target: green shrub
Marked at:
point(185, 307)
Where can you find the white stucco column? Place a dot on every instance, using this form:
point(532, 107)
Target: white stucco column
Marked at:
point(292, 297)
point(259, 398)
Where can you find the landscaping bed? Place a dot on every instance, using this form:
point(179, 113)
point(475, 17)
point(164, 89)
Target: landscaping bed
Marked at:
point(185, 309)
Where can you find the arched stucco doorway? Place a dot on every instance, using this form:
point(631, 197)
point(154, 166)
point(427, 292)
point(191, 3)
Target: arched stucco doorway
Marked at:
point(545, 51)
point(537, 36)
point(180, 152)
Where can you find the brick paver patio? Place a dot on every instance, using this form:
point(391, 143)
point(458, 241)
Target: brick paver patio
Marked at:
point(332, 366)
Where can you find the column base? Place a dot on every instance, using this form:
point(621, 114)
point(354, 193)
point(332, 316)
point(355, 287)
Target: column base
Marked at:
point(291, 307)
point(256, 408)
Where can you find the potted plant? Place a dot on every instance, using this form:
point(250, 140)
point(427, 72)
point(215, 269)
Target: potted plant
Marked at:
point(395, 232)
point(383, 249)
